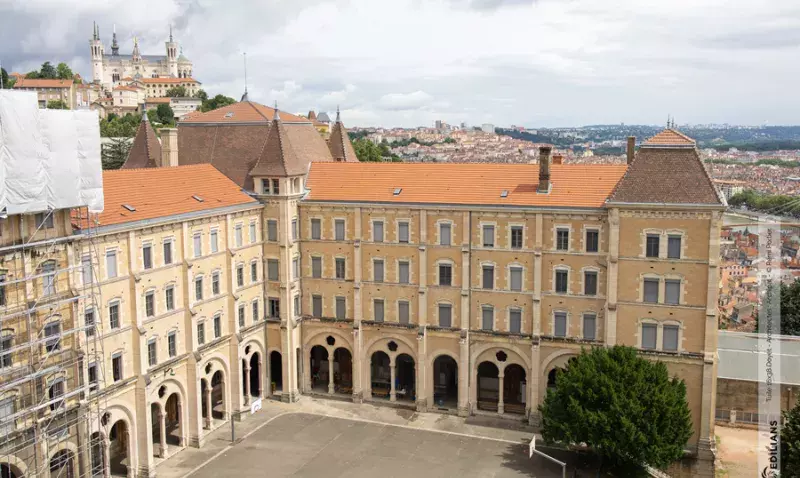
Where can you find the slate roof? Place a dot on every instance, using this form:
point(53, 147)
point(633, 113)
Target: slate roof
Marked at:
point(340, 145)
point(278, 157)
point(145, 151)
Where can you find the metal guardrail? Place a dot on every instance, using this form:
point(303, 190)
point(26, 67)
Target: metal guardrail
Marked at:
point(532, 449)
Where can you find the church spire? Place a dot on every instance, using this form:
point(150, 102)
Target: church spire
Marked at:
point(136, 55)
point(276, 116)
point(94, 31)
point(114, 44)
point(170, 33)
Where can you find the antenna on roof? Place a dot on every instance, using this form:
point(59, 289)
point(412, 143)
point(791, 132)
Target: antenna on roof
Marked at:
point(338, 118)
point(277, 115)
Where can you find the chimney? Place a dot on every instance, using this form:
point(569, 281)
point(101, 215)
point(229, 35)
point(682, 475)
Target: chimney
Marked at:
point(631, 148)
point(544, 170)
point(558, 159)
point(169, 147)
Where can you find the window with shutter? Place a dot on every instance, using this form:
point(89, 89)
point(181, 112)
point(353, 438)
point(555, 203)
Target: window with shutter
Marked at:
point(272, 230)
point(237, 235)
point(590, 283)
point(672, 291)
point(488, 236)
point(198, 246)
point(316, 229)
point(378, 307)
point(377, 231)
point(592, 241)
point(487, 322)
point(402, 312)
point(488, 277)
point(403, 272)
point(402, 232)
point(340, 268)
point(252, 233)
point(445, 274)
point(86, 268)
point(560, 324)
point(516, 237)
point(444, 234)
point(589, 326)
point(172, 344)
point(341, 308)
point(562, 281)
point(653, 245)
point(562, 239)
point(167, 252)
point(316, 306)
point(515, 321)
point(339, 229)
point(670, 333)
point(273, 273)
point(316, 267)
point(378, 270)
point(516, 278)
point(674, 247)
point(445, 315)
point(150, 304)
point(649, 333)
point(111, 264)
point(651, 291)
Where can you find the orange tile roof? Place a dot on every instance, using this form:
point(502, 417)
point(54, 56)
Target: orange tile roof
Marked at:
point(169, 80)
point(670, 137)
point(39, 83)
point(162, 192)
point(162, 99)
point(573, 185)
point(126, 88)
point(242, 112)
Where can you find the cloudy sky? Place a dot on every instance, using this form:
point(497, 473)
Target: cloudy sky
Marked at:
point(410, 62)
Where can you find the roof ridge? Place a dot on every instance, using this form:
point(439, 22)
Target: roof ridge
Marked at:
point(252, 105)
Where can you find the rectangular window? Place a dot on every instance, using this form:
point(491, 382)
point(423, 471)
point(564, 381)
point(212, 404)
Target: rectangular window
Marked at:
point(92, 372)
point(217, 327)
point(215, 284)
point(241, 316)
point(316, 267)
point(273, 272)
point(560, 324)
point(516, 278)
point(341, 308)
point(88, 319)
point(378, 307)
point(237, 236)
point(377, 231)
point(147, 256)
point(169, 297)
point(49, 278)
point(445, 315)
point(296, 268)
point(55, 393)
point(487, 322)
point(444, 234)
point(215, 240)
point(111, 264)
point(340, 268)
point(272, 230)
point(402, 232)
point(167, 252)
point(653, 241)
point(402, 312)
point(294, 230)
point(674, 247)
point(592, 241)
point(2, 290)
point(316, 229)
point(254, 306)
point(297, 306)
point(649, 332)
point(116, 367)
point(5, 358)
point(672, 291)
point(265, 186)
point(515, 321)
point(516, 237)
point(113, 315)
point(403, 272)
point(562, 239)
point(670, 338)
point(589, 326)
point(276, 186)
point(274, 307)
point(562, 281)
point(488, 236)
point(377, 270)
point(445, 274)
point(252, 233)
point(44, 220)
point(339, 229)
point(201, 333)
point(651, 291)
point(151, 353)
point(240, 275)
point(172, 344)
point(198, 289)
point(590, 283)
point(197, 245)
point(254, 271)
point(488, 277)
point(316, 306)
point(150, 304)
point(86, 269)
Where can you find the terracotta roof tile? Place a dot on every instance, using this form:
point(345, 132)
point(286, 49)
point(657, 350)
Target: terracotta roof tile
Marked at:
point(145, 151)
point(278, 157)
point(340, 145)
point(159, 100)
point(669, 137)
point(243, 112)
point(573, 185)
point(162, 192)
point(169, 80)
point(40, 83)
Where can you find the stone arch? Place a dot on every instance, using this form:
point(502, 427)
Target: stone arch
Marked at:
point(318, 338)
point(67, 458)
point(556, 359)
point(15, 465)
point(432, 382)
point(116, 413)
point(253, 343)
point(486, 353)
point(399, 339)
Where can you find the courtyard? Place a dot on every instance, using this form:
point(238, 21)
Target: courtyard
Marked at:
point(310, 445)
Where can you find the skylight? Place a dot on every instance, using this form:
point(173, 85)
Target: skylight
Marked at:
point(397, 191)
point(197, 198)
point(504, 194)
point(129, 207)
point(229, 114)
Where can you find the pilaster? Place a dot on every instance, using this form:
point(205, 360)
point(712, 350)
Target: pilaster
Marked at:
point(611, 287)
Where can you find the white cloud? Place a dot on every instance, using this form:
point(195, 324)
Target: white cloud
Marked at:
point(405, 101)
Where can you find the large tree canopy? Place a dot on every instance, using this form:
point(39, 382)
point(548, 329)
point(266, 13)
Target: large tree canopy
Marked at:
point(626, 408)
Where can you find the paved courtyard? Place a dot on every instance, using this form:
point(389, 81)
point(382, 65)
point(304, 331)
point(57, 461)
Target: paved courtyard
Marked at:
point(308, 445)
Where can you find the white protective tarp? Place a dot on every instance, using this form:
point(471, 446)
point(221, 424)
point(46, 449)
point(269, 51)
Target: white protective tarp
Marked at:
point(49, 159)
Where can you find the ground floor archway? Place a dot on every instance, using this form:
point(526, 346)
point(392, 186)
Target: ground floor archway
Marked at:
point(7, 470)
point(118, 448)
point(445, 382)
point(318, 363)
point(514, 389)
point(405, 378)
point(255, 375)
point(156, 431)
point(218, 395)
point(97, 457)
point(62, 465)
point(173, 420)
point(342, 371)
point(276, 371)
point(380, 375)
point(488, 386)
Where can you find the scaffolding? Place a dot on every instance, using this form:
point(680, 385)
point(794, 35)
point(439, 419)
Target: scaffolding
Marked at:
point(52, 365)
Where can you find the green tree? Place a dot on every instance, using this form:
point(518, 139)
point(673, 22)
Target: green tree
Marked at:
point(64, 72)
point(165, 114)
point(7, 82)
point(790, 444)
point(367, 151)
point(626, 408)
point(57, 105)
point(48, 71)
point(177, 92)
point(216, 102)
point(201, 94)
point(33, 75)
point(115, 153)
point(152, 116)
point(790, 309)
point(114, 126)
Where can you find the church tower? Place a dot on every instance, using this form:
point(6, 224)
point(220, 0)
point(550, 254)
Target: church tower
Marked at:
point(172, 55)
point(96, 47)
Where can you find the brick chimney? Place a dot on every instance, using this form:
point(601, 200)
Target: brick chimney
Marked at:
point(544, 170)
point(558, 159)
point(169, 147)
point(631, 148)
